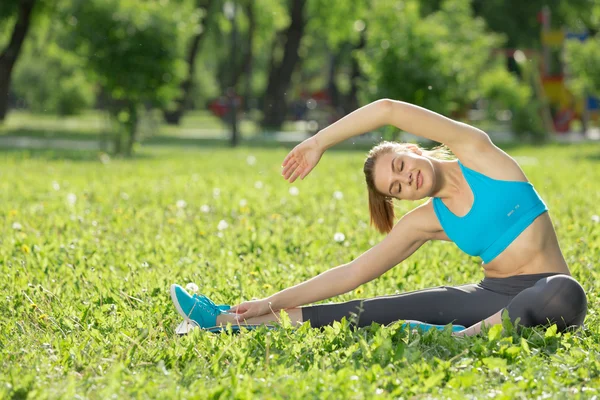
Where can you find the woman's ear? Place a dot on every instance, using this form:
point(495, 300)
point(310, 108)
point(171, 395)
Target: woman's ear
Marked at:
point(414, 148)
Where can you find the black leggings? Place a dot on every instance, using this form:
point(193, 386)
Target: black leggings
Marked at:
point(534, 299)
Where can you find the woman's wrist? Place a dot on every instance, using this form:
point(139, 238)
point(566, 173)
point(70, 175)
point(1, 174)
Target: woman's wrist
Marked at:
point(321, 142)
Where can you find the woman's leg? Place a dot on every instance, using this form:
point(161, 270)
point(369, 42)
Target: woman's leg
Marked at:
point(558, 299)
point(463, 305)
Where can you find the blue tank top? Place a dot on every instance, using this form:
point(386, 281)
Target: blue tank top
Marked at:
point(501, 211)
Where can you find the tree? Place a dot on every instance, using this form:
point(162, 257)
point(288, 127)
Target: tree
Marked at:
point(10, 55)
point(583, 57)
point(133, 50)
point(431, 61)
point(280, 72)
point(205, 10)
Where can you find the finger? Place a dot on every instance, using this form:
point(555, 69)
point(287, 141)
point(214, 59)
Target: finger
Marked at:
point(289, 166)
point(296, 174)
point(290, 171)
point(287, 158)
point(306, 171)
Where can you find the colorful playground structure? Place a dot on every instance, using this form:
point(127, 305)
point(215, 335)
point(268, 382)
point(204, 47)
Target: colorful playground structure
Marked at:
point(564, 106)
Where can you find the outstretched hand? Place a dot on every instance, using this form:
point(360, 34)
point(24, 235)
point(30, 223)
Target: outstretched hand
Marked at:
point(301, 160)
point(250, 309)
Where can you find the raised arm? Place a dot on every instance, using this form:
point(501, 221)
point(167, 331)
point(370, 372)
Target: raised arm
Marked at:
point(458, 136)
point(408, 117)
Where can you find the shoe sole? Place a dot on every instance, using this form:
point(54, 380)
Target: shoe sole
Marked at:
point(179, 309)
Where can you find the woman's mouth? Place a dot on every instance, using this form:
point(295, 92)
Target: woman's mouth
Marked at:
point(419, 180)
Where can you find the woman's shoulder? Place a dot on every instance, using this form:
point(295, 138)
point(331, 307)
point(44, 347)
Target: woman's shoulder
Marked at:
point(493, 162)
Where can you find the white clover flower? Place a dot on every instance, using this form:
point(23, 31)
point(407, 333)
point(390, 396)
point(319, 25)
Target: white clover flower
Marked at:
point(191, 287)
point(55, 186)
point(258, 185)
point(243, 202)
point(339, 237)
point(320, 220)
point(596, 218)
point(124, 196)
point(216, 192)
point(181, 204)
point(205, 208)
point(338, 195)
point(294, 191)
point(17, 226)
point(222, 225)
point(251, 160)
point(71, 198)
point(104, 158)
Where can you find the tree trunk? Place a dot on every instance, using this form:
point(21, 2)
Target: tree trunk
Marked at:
point(332, 88)
point(131, 129)
point(274, 102)
point(173, 117)
point(249, 55)
point(9, 56)
point(351, 101)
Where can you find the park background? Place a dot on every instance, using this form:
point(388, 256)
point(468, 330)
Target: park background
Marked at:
point(141, 144)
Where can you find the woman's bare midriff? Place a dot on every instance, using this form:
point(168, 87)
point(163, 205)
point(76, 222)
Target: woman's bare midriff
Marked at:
point(534, 251)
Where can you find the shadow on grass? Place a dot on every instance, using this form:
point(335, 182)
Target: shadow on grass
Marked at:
point(588, 157)
point(77, 155)
point(50, 134)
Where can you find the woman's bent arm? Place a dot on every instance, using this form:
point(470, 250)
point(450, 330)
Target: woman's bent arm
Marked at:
point(417, 120)
point(459, 137)
point(410, 233)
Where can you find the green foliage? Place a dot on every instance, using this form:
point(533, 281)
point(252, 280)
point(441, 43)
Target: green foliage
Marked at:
point(134, 51)
point(433, 61)
point(340, 21)
point(8, 8)
point(53, 82)
point(583, 59)
point(91, 244)
point(134, 48)
point(504, 89)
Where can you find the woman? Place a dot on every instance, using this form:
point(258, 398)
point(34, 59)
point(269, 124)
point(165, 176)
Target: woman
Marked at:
point(482, 202)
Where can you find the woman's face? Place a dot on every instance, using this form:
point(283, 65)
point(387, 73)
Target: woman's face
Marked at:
point(404, 175)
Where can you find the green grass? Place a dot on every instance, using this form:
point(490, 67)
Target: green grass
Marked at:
point(85, 310)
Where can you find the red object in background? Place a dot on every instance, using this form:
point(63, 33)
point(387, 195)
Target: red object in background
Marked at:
point(563, 119)
point(220, 105)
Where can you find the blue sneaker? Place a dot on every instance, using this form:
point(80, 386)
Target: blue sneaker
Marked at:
point(198, 310)
point(425, 326)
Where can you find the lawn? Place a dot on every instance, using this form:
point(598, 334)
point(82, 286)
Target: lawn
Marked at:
point(90, 245)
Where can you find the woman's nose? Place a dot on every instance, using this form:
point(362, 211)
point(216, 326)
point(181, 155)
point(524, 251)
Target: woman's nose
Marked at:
point(406, 177)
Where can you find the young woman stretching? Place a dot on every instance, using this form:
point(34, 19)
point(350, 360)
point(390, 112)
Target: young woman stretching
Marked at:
point(482, 202)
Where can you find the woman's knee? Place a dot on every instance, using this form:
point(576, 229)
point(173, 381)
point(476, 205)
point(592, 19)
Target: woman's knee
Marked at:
point(558, 299)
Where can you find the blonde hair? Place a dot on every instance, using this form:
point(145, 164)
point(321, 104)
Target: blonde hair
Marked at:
point(381, 207)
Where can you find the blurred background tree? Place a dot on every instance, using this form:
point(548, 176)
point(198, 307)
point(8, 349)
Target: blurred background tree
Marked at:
point(133, 51)
point(20, 14)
